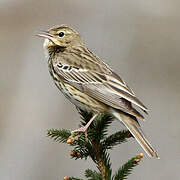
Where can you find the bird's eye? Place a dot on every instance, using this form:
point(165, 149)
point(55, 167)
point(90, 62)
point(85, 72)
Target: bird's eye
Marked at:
point(61, 34)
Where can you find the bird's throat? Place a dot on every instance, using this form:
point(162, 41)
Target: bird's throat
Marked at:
point(52, 48)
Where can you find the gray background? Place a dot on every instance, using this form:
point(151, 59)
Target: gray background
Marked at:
point(139, 39)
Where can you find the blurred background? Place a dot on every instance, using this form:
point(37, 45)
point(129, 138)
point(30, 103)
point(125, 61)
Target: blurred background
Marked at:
point(139, 39)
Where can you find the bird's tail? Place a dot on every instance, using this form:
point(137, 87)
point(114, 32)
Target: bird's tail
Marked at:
point(135, 129)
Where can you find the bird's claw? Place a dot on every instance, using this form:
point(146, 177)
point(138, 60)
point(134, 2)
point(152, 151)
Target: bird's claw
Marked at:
point(81, 129)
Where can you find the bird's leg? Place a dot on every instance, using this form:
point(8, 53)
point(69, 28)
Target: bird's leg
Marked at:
point(84, 129)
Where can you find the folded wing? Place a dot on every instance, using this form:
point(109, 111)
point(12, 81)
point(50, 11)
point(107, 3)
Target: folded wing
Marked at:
point(108, 88)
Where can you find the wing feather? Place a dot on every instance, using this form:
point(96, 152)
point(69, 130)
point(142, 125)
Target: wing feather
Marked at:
point(107, 88)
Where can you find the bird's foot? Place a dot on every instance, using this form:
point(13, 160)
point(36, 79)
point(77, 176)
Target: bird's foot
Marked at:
point(81, 129)
point(84, 128)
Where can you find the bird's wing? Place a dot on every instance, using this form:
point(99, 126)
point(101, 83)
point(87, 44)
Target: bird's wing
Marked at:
point(108, 88)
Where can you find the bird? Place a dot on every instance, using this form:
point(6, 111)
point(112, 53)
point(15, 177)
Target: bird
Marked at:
point(90, 83)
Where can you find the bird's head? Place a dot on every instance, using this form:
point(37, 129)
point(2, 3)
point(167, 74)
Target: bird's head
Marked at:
point(60, 36)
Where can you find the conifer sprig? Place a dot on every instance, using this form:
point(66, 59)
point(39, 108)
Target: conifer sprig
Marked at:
point(59, 135)
point(92, 175)
point(126, 169)
point(116, 139)
point(96, 147)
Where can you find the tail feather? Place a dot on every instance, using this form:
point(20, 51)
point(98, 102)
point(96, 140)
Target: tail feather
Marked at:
point(135, 129)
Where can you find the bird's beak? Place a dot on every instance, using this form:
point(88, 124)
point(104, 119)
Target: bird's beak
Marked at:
point(45, 34)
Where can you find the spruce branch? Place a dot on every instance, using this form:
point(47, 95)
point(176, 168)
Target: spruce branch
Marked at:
point(71, 178)
point(59, 135)
point(101, 158)
point(96, 147)
point(116, 139)
point(126, 169)
point(100, 125)
point(92, 175)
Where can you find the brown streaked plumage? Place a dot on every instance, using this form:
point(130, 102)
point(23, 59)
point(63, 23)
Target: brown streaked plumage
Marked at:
point(89, 83)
